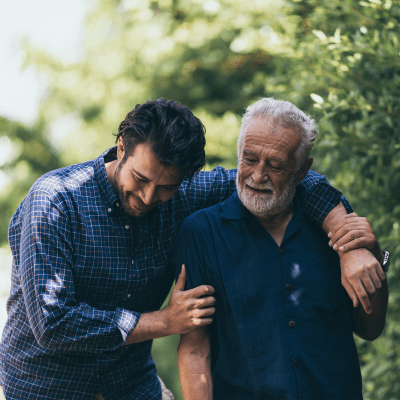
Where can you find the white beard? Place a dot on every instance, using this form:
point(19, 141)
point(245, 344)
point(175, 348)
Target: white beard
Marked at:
point(261, 204)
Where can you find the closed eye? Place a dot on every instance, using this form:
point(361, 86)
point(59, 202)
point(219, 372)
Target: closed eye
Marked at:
point(139, 179)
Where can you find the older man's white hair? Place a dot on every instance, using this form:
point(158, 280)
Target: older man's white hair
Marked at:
point(283, 114)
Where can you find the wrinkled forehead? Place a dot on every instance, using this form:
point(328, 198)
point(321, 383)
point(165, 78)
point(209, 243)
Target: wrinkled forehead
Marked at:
point(266, 134)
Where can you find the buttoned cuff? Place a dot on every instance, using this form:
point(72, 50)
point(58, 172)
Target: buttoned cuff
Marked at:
point(126, 321)
point(346, 204)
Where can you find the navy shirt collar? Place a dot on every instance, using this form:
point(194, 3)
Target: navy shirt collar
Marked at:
point(235, 210)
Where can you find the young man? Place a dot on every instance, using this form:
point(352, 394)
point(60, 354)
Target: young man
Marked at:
point(284, 325)
point(91, 248)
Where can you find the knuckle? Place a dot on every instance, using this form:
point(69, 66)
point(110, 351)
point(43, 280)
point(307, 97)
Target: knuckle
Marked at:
point(363, 297)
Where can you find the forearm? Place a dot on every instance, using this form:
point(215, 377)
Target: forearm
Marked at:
point(335, 218)
point(194, 361)
point(151, 325)
point(370, 326)
point(195, 375)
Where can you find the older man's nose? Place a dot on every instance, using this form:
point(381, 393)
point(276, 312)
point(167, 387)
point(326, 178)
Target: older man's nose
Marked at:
point(260, 174)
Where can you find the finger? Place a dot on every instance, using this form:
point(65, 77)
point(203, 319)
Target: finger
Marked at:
point(204, 290)
point(181, 282)
point(197, 322)
point(337, 235)
point(368, 285)
point(344, 234)
point(381, 273)
point(350, 291)
point(205, 302)
point(351, 244)
point(346, 238)
point(205, 312)
point(350, 216)
point(375, 279)
point(362, 296)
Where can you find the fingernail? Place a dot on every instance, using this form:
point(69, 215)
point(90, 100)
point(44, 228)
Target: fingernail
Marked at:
point(330, 234)
point(341, 248)
point(334, 246)
point(330, 243)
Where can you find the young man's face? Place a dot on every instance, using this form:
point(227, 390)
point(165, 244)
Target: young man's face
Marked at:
point(142, 182)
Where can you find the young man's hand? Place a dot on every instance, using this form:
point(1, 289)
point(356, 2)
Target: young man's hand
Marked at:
point(189, 309)
point(356, 232)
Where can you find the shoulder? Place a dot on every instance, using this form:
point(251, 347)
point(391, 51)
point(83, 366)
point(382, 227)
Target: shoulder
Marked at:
point(64, 180)
point(204, 220)
point(60, 188)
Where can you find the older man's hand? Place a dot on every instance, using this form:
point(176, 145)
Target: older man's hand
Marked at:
point(361, 276)
point(359, 252)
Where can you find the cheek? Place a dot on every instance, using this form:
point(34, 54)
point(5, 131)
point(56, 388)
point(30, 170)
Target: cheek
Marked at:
point(243, 172)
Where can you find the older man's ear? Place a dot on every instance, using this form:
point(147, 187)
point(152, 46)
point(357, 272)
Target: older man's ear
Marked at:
point(303, 171)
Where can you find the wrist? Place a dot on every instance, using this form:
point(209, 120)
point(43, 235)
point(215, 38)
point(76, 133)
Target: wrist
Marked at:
point(164, 320)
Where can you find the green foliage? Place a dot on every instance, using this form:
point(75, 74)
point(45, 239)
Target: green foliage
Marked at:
point(26, 155)
point(336, 59)
point(355, 54)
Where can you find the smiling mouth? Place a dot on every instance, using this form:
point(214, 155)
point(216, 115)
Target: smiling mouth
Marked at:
point(260, 190)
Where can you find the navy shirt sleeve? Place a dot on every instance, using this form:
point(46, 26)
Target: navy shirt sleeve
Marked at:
point(57, 319)
point(189, 250)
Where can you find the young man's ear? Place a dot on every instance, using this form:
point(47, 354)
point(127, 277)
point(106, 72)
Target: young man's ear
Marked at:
point(120, 149)
point(303, 171)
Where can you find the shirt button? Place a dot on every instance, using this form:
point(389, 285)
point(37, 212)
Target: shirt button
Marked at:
point(292, 324)
point(288, 287)
point(133, 261)
point(296, 363)
point(126, 226)
point(129, 295)
point(117, 204)
point(109, 210)
point(281, 251)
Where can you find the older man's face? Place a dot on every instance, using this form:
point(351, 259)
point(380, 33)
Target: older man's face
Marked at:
point(267, 178)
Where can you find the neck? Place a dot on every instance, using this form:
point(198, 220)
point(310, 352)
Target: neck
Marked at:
point(276, 225)
point(110, 169)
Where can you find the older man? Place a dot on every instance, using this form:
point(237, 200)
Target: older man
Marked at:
point(284, 324)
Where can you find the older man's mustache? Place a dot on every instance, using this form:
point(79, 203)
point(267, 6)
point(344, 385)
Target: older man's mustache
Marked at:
point(265, 186)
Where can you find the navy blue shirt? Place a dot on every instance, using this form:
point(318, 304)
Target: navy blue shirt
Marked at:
point(79, 282)
point(283, 326)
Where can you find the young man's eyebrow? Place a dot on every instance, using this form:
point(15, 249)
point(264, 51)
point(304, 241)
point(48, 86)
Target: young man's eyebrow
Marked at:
point(139, 174)
point(147, 179)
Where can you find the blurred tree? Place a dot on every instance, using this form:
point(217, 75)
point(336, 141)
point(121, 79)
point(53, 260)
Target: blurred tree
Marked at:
point(26, 154)
point(350, 56)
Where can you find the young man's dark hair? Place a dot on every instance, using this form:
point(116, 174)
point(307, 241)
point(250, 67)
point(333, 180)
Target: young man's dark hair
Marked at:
point(175, 134)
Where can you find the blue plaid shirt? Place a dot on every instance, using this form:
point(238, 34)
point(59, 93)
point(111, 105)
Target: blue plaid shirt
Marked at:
point(80, 284)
